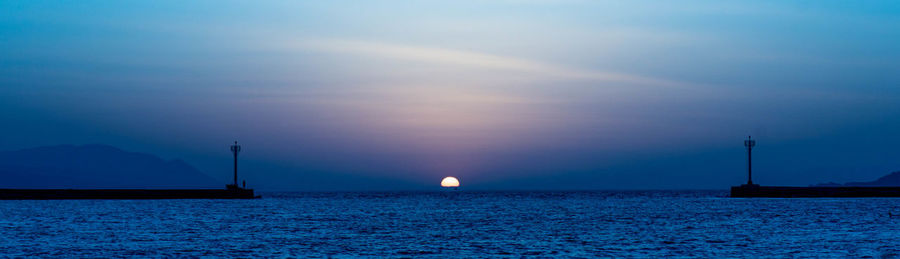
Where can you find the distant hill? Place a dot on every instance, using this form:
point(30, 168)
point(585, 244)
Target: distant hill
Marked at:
point(892, 179)
point(96, 166)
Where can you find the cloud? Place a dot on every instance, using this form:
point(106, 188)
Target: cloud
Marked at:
point(472, 59)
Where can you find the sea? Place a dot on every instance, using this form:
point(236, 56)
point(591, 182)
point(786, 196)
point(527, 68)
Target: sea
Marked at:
point(456, 224)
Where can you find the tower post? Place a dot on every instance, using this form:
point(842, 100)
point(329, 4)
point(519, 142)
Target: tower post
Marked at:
point(749, 143)
point(235, 149)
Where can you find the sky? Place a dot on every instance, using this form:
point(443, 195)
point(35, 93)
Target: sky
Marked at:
point(507, 94)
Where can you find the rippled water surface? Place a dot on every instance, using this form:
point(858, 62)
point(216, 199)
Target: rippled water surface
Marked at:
point(455, 224)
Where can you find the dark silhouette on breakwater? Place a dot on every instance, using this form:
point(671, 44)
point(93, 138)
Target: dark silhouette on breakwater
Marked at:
point(235, 149)
point(750, 189)
point(108, 173)
point(749, 143)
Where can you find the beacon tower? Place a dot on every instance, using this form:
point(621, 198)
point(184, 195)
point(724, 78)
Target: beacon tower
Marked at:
point(749, 143)
point(235, 149)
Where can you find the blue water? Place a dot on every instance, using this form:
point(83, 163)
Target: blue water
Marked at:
point(455, 224)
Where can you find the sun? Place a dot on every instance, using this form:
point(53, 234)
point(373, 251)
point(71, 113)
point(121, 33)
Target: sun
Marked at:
point(450, 181)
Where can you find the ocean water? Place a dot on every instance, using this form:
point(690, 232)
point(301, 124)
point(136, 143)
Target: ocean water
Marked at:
point(455, 224)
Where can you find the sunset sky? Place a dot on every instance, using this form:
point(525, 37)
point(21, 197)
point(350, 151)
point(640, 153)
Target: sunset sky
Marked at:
point(530, 94)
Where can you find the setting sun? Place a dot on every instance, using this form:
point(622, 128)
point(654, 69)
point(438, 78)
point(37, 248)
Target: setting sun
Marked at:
point(450, 181)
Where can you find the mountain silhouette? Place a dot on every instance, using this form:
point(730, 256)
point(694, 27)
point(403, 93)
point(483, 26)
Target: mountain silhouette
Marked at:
point(95, 166)
point(890, 180)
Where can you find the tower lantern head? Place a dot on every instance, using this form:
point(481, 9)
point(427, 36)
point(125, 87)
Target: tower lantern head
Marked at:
point(235, 148)
point(749, 143)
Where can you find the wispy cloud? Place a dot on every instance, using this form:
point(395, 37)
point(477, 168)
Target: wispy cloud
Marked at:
point(473, 60)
